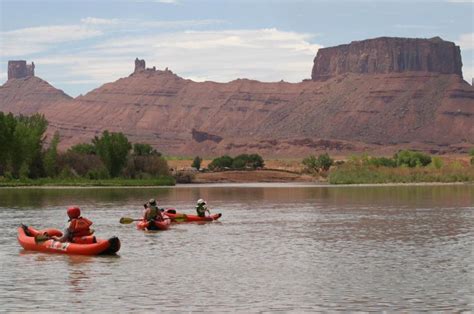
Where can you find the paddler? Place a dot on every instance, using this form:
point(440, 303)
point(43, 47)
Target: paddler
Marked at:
point(79, 227)
point(201, 208)
point(152, 212)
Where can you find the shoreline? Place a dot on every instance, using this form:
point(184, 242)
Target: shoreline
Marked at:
point(242, 185)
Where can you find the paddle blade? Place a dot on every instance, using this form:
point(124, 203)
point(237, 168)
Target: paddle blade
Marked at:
point(180, 218)
point(127, 220)
point(42, 238)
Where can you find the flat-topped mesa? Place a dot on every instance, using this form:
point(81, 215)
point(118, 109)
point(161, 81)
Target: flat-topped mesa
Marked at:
point(20, 69)
point(388, 55)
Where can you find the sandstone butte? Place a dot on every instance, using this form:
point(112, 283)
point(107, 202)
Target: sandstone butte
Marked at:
point(377, 95)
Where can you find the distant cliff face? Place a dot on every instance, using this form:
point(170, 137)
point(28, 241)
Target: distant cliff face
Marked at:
point(388, 55)
point(393, 93)
point(20, 69)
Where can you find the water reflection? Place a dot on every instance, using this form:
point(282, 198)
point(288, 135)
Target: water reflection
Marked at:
point(277, 248)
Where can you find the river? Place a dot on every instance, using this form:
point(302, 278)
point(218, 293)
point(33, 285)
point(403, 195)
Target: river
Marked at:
point(277, 247)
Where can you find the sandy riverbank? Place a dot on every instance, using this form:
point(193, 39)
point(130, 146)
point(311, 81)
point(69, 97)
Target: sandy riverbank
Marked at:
point(251, 177)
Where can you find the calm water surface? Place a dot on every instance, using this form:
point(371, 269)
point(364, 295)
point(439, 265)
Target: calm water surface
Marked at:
point(277, 248)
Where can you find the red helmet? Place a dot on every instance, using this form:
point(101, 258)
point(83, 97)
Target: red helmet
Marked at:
point(73, 212)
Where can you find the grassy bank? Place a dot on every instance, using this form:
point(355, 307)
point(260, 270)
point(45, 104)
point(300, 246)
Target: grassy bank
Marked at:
point(364, 174)
point(160, 181)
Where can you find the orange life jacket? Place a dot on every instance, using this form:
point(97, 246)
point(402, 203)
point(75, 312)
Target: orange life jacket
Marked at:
point(80, 227)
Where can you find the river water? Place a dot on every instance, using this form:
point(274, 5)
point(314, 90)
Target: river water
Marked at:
point(278, 247)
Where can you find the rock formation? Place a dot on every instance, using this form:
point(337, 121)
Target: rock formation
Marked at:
point(27, 94)
point(18, 69)
point(139, 65)
point(380, 105)
point(388, 55)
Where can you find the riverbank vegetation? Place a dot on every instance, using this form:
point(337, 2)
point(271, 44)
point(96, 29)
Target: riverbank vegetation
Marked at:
point(108, 160)
point(403, 167)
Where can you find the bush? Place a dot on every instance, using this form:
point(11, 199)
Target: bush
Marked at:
point(184, 176)
point(197, 162)
point(316, 165)
point(221, 163)
point(243, 161)
point(412, 159)
point(139, 167)
point(113, 150)
point(144, 150)
point(78, 164)
point(382, 162)
point(437, 163)
point(83, 148)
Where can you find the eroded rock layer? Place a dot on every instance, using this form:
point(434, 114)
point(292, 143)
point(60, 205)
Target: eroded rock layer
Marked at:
point(388, 55)
point(382, 108)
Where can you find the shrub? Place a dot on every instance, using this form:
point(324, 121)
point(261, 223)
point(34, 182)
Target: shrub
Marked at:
point(412, 159)
point(437, 163)
point(83, 148)
point(197, 162)
point(382, 162)
point(146, 166)
point(318, 164)
point(144, 150)
point(113, 150)
point(221, 163)
point(184, 176)
point(78, 163)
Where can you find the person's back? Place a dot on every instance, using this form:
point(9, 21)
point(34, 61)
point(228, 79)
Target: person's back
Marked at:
point(78, 227)
point(152, 212)
point(201, 208)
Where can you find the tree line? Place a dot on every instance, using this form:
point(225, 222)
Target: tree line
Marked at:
point(111, 155)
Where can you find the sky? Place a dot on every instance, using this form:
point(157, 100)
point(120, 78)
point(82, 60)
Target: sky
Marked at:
point(79, 45)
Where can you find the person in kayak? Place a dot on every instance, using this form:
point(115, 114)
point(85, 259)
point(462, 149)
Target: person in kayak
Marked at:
point(201, 208)
point(152, 212)
point(78, 227)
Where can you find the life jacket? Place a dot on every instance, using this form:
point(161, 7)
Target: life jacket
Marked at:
point(152, 213)
point(201, 210)
point(80, 227)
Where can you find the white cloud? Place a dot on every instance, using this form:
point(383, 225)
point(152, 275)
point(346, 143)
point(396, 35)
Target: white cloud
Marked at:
point(166, 1)
point(26, 41)
point(466, 41)
point(461, 1)
point(99, 21)
point(262, 54)
point(219, 55)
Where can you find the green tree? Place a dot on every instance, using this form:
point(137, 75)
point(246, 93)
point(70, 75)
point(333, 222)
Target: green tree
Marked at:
point(221, 163)
point(197, 162)
point(83, 148)
point(113, 149)
point(317, 164)
point(412, 159)
point(51, 157)
point(140, 149)
point(7, 139)
point(28, 143)
point(471, 153)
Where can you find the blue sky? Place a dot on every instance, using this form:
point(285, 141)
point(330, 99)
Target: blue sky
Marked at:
point(79, 45)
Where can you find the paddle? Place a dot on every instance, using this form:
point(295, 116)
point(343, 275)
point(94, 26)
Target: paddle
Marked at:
point(128, 220)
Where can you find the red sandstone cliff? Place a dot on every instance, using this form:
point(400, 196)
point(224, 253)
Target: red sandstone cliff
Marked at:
point(388, 55)
point(382, 104)
point(29, 95)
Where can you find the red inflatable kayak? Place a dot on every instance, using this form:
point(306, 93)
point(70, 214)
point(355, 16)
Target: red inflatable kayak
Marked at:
point(154, 224)
point(178, 217)
point(36, 240)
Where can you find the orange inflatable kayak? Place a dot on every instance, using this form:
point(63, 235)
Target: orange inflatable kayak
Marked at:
point(37, 240)
point(178, 217)
point(154, 224)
